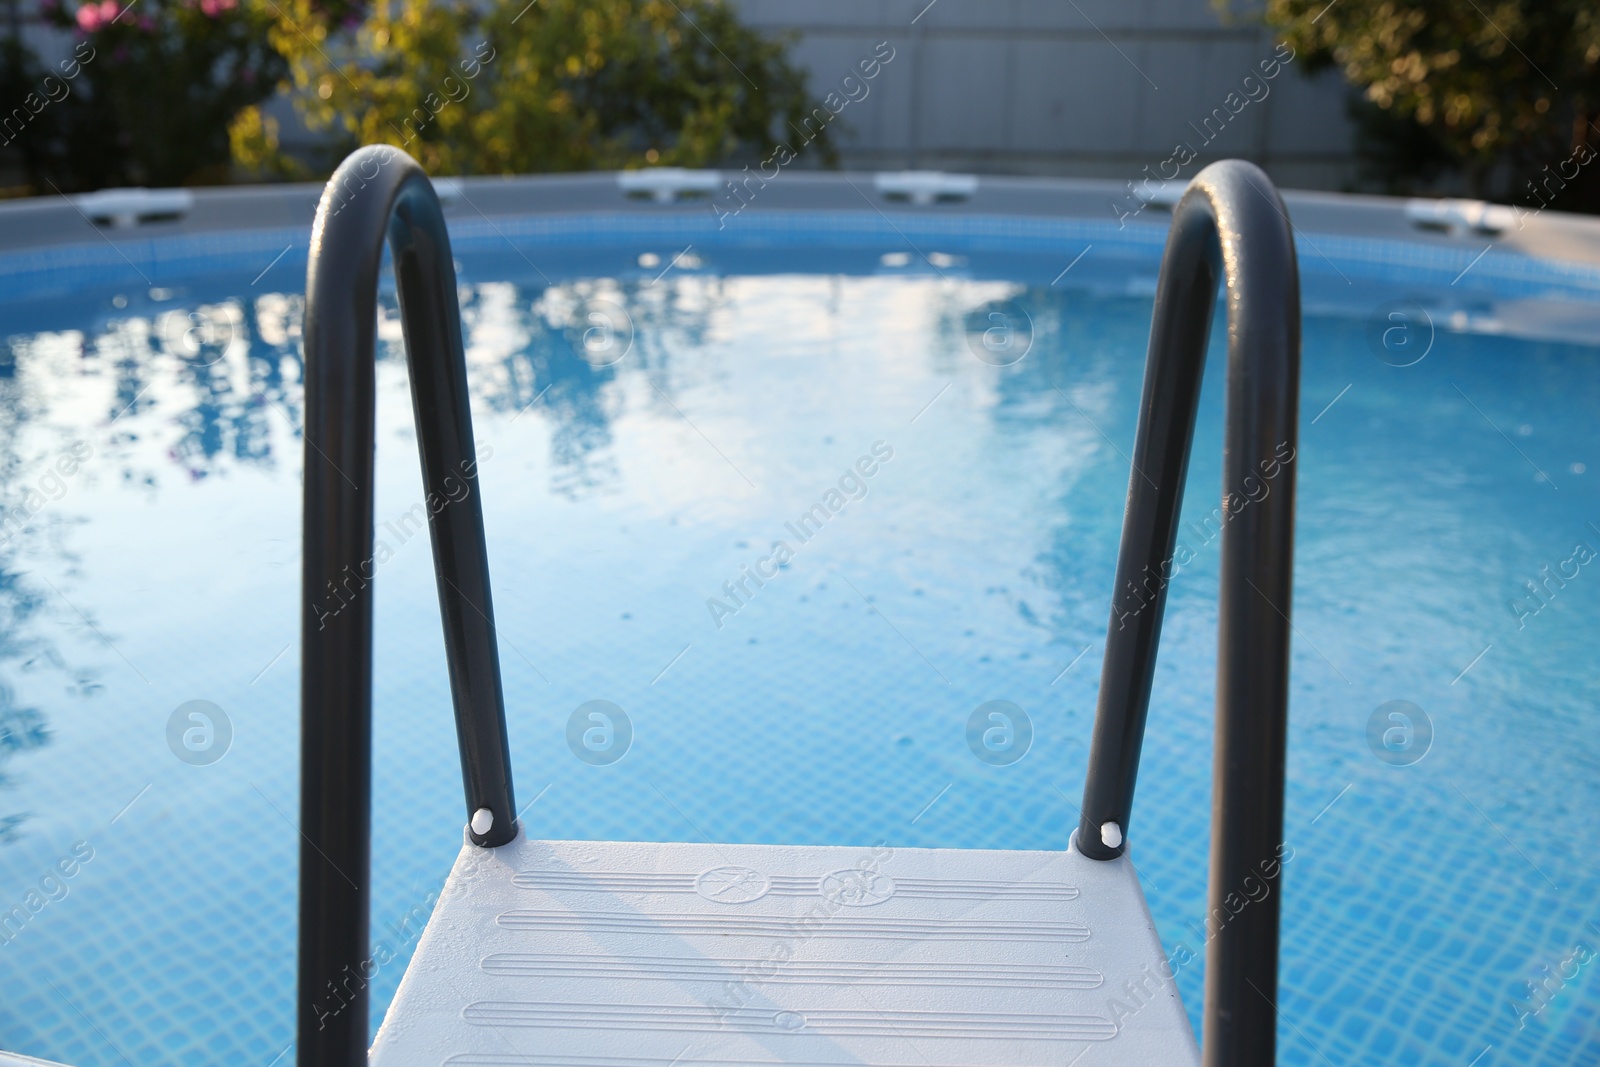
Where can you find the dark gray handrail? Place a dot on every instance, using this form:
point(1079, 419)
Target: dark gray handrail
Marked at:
point(1229, 228)
point(379, 193)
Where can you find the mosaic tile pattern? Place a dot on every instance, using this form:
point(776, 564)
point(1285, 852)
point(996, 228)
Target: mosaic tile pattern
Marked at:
point(832, 707)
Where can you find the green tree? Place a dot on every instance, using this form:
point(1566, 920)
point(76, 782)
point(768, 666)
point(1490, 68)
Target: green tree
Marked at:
point(510, 86)
point(1500, 89)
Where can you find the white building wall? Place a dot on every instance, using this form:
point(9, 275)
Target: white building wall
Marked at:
point(1088, 88)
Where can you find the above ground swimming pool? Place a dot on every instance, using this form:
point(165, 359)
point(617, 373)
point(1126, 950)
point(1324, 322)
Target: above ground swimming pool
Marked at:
point(662, 401)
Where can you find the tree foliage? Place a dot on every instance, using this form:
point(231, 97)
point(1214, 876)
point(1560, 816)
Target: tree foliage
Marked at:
point(1498, 88)
point(145, 96)
point(509, 86)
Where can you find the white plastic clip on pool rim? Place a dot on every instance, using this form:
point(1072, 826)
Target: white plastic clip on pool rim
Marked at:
point(924, 187)
point(124, 208)
point(666, 185)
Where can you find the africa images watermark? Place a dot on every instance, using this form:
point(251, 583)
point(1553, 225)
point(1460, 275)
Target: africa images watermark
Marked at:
point(1157, 981)
point(1254, 90)
point(353, 979)
point(1539, 186)
point(1540, 991)
point(50, 486)
point(51, 90)
point(402, 529)
point(1155, 581)
point(455, 90)
point(859, 879)
point(851, 90)
point(433, 103)
point(52, 887)
point(1551, 583)
point(852, 486)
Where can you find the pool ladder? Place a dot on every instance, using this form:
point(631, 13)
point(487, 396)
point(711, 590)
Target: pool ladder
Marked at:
point(1229, 229)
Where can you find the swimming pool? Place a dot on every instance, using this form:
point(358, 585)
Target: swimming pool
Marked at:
point(658, 402)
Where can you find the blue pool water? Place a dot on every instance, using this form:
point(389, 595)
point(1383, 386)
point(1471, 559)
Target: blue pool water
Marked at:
point(160, 566)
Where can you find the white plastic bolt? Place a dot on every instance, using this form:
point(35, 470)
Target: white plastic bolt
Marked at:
point(1110, 833)
point(483, 822)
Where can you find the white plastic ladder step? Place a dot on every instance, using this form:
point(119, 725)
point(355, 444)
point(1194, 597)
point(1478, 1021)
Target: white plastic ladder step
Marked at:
point(613, 954)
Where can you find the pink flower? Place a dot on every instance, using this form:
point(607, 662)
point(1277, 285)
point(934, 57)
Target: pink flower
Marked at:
point(93, 16)
point(213, 8)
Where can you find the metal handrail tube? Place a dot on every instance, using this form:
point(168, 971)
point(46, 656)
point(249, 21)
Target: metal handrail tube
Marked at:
point(1230, 228)
point(379, 194)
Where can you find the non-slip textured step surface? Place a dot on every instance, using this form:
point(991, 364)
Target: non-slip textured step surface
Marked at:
point(626, 954)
